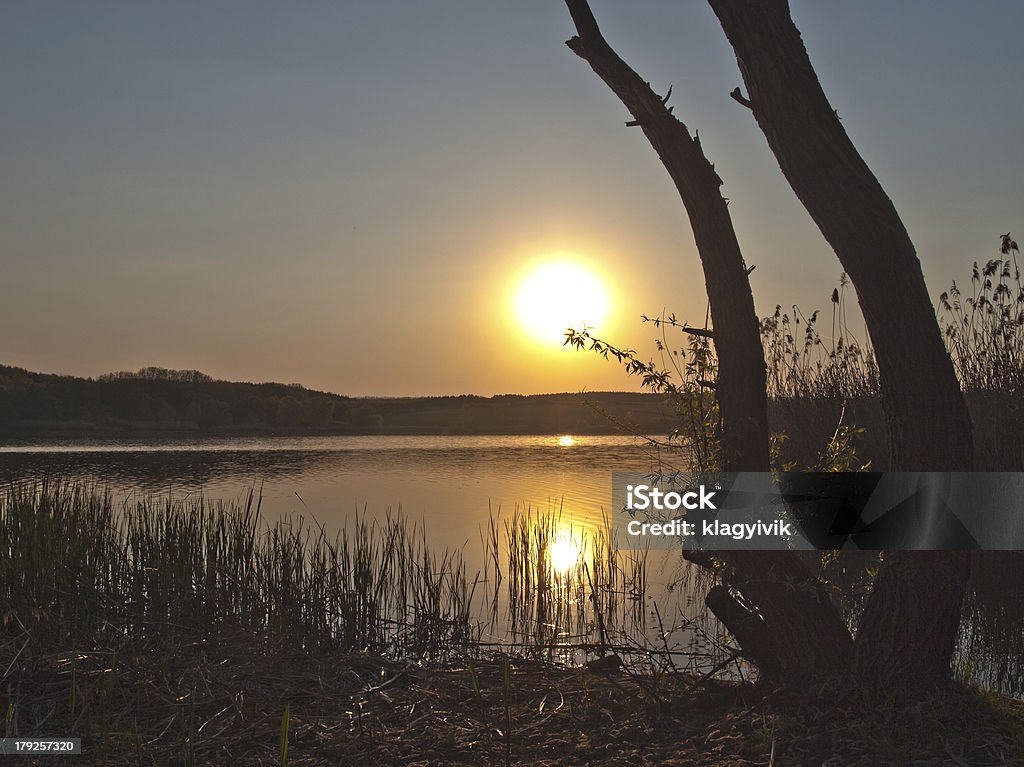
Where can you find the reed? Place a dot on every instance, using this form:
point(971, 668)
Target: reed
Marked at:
point(77, 567)
point(984, 330)
point(83, 573)
point(801, 363)
point(562, 590)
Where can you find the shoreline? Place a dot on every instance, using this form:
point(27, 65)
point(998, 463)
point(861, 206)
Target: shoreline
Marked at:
point(63, 430)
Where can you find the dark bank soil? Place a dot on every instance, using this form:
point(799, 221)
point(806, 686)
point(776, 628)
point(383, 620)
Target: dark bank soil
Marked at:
point(224, 702)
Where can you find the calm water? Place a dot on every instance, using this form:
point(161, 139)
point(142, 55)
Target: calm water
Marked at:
point(450, 483)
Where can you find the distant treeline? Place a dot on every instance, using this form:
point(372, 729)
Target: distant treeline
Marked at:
point(160, 401)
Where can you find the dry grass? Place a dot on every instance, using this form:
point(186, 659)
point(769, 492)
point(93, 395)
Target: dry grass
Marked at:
point(222, 700)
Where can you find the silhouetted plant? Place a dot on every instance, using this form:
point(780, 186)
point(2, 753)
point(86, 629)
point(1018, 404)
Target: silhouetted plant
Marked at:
point(803, 364)
point(686, 376)
point(985, 330)
point(984, 333)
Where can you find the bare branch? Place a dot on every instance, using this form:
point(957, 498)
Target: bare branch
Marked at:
point(740, 99)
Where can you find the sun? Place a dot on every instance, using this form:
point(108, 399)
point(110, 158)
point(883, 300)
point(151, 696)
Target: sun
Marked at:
point(557, 295)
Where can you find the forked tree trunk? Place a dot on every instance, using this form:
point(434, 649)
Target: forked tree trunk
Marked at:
point(787, 625)
point(907, 633)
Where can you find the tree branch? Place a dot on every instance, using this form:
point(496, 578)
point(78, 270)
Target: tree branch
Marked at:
point(740, 99)
point(741, 375)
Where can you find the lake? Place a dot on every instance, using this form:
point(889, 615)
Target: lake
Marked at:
point(451, 483)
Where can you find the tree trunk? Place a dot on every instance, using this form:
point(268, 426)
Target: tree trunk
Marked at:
point(786, 623)
point(908, 632)
point(905, 642)
point(928, 420)
point(792, 630)
point(741, 372)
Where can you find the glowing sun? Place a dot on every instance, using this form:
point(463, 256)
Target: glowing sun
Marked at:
point(557, 295)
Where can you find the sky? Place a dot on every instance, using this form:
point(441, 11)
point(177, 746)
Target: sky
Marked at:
point(347, 194)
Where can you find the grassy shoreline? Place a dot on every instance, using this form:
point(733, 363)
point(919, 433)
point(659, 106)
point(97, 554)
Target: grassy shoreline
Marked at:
point(166, 632)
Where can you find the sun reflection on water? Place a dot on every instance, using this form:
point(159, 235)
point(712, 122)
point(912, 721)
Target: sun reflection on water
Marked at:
point(566, 441)
point(564, 551)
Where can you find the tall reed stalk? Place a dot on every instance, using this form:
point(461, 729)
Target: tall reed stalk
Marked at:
point(75, 566)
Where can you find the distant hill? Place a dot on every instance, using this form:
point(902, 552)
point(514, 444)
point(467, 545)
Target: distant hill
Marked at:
point(156, 401)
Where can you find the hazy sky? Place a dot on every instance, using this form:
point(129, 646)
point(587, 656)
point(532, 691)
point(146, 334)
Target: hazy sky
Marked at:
point(342, 194)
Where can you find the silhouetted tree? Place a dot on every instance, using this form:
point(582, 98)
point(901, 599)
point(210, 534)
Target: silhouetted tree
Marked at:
point(905, 640)
point(907, 633)
point(797, 630)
